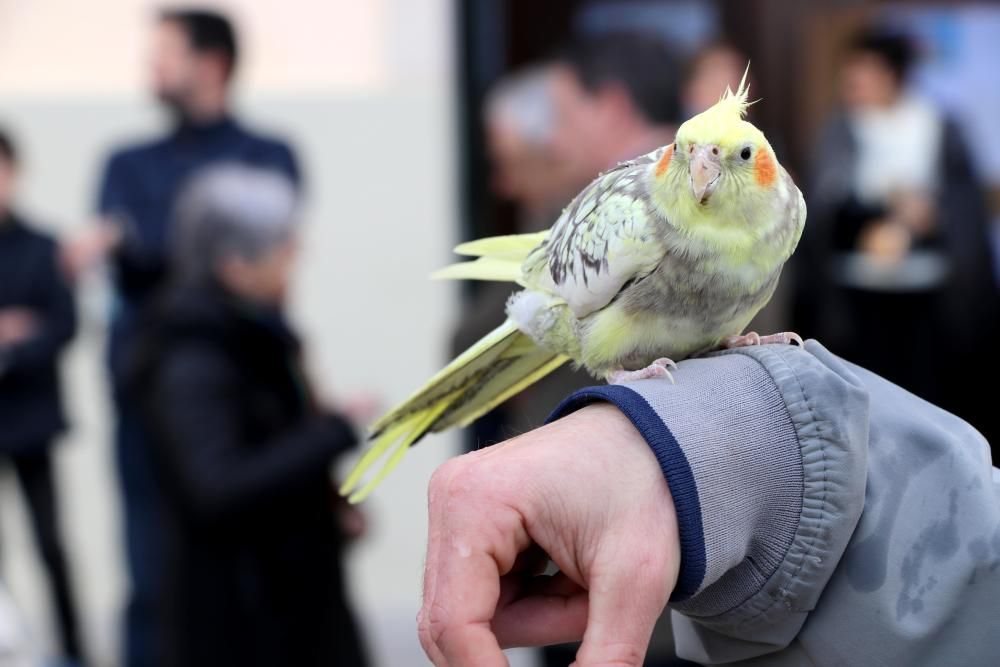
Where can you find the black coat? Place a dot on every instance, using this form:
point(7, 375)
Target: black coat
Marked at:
point(31, 412)
point(254, 563)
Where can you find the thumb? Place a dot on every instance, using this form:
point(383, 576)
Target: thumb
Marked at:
point(626, 599)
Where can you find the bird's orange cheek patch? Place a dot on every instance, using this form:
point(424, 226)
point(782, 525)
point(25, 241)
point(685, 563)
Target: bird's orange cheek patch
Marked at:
point(764, 168)
point(664, 162)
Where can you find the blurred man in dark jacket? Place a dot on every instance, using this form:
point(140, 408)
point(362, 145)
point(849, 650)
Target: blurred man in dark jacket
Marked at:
point(37, 320)
point(253, 560)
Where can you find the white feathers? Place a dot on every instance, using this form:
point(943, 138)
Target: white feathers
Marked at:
point(533, 313)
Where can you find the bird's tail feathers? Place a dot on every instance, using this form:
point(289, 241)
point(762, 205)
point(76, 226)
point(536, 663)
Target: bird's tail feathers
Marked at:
point(498, 258)
point(500, 365)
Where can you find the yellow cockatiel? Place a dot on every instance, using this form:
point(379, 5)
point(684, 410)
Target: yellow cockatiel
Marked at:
point(658, 259)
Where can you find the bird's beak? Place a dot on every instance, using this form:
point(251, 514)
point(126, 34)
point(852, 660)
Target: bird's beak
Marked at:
point(706, 169)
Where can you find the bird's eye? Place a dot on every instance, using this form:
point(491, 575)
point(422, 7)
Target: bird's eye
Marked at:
point(745, 153)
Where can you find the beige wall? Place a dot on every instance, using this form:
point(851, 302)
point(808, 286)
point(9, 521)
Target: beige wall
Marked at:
point(364, 90)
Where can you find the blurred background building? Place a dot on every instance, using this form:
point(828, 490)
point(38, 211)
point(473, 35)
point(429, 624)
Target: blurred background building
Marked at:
point(419, 125)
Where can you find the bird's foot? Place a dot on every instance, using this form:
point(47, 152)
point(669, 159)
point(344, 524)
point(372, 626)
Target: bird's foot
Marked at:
point(754, 338)
point(658, 369)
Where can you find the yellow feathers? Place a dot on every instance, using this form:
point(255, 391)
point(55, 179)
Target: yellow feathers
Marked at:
point(734, 105)
point(514, 247)
point(499, 258)
point(500, 365)
point(723, 123)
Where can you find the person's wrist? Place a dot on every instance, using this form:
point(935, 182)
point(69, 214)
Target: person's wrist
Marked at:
point(633, 484)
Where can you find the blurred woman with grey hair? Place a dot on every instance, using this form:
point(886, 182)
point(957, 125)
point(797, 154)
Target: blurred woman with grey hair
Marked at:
point(243, 451)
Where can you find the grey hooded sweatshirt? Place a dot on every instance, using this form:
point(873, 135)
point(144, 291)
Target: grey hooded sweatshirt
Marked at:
point(827, 517)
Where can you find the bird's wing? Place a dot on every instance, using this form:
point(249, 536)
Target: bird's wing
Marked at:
point(602, 241)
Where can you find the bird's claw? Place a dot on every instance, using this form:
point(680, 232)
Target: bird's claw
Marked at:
point(754, 338)
point(658, 369)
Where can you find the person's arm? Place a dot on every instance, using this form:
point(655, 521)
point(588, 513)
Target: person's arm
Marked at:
point(53, 322)
point(101, 236)
point(801, 489)
point(288, 162)
point(202, 444)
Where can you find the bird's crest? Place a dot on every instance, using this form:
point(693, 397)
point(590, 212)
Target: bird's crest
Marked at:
point(735, 104)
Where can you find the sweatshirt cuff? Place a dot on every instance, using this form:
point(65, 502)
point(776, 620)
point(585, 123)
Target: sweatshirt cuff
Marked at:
point(675, 466)
point(759, 448)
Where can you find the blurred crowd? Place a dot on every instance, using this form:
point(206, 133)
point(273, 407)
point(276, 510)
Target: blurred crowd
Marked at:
point(233, 529)
point(234, 533)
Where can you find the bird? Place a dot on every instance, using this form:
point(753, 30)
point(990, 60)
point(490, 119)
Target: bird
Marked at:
point(661, 258)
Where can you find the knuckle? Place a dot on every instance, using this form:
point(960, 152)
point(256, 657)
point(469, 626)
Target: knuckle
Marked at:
point(431, 625)
point(458, 479)
point(442, 480)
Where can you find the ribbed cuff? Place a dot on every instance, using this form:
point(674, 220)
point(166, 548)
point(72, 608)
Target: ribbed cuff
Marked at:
point(731, 456)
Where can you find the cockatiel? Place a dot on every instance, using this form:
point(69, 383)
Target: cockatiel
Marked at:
point(658, 259)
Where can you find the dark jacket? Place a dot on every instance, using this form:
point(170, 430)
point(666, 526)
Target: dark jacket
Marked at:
point(141, 182)
point(31, 412)
point(254, 574)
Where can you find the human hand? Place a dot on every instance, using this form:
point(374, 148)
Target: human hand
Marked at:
point(915, 210)
point(352, 521)
point(585, 490)
point(17, 325)
point(885, 241)
point(89, 247)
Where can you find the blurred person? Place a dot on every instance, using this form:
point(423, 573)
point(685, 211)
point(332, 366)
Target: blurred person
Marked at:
point(709, 72)
point(896, 244)
point(616, 97)
point(520, 122)
point(37, 321)
point(194, 61)
point(254, 549)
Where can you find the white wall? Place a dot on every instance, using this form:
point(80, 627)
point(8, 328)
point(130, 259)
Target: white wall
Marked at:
point(364, 90)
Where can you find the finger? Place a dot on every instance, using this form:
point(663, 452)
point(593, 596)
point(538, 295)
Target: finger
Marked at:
point(517, 585)
point(474, 540)
point(457, 620)
point(435, 515)
point(552, 610)
point(626, 599)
